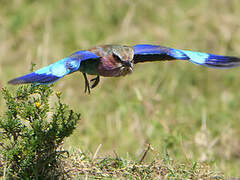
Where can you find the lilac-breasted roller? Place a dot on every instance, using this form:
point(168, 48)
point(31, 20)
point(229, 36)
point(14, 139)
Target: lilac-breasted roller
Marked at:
point(119, 60)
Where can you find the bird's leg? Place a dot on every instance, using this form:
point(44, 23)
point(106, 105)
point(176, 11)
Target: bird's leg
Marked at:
point(96, 81)
point(87, 86)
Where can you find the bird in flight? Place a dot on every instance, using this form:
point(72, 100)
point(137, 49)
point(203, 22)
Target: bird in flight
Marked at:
point(118, 60)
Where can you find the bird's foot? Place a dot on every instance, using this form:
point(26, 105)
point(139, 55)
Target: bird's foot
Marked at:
point(96, 81)
point(87, 86)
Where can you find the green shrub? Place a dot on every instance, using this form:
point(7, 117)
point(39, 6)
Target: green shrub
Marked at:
point(31, 133)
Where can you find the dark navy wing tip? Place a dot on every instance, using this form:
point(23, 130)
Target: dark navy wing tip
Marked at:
point(34, 78)
point(13, 82)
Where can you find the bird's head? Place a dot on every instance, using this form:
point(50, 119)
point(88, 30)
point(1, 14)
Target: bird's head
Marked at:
point(123, 55)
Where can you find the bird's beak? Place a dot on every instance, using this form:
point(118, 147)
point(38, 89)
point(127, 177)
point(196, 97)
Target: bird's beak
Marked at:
point(128, 64)
point(127, 68)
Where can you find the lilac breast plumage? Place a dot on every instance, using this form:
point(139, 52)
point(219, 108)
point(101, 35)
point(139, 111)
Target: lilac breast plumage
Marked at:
point(109, 67)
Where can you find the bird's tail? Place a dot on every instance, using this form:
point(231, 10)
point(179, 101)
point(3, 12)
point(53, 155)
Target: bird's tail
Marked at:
point(49, 74)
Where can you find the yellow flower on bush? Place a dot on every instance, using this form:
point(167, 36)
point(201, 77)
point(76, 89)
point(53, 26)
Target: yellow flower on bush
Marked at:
point(58, 94)
point(38, 104)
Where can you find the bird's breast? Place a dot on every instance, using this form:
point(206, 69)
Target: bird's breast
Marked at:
point(108, 67)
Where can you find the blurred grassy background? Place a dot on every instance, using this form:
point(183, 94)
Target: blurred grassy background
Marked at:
point(188, 110)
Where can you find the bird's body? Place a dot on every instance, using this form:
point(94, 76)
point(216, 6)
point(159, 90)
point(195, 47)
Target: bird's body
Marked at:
point(118, 60)
point(107, 65)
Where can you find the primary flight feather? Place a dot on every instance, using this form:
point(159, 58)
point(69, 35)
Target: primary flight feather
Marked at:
point(118, 60)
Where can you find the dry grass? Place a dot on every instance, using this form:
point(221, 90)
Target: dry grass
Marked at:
point(82, 165)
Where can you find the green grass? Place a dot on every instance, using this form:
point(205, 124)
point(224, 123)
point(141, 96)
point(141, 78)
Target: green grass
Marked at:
point(189, 110)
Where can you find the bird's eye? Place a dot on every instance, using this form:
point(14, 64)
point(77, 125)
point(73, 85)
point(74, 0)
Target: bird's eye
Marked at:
point(117, 58)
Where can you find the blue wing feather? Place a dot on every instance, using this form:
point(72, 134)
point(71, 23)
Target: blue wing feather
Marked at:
point(146, 52)
point(57, 70)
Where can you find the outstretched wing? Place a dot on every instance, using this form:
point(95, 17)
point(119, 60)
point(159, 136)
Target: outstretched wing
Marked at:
point(146, 52)
point(57, 70)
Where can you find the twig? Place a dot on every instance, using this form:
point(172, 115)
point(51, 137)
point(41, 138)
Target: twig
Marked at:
point(116, 155)
point(97, 150)
point(145, 153)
